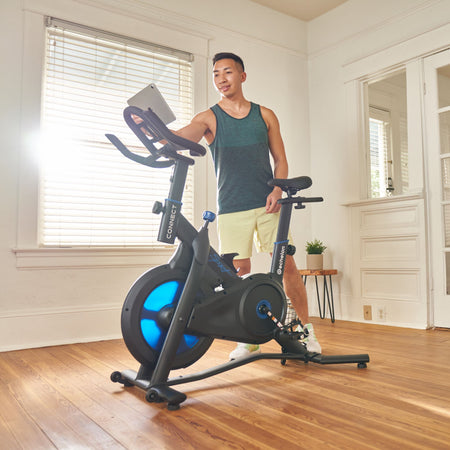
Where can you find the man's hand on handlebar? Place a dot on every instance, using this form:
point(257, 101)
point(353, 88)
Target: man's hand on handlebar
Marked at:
point(138, 120)
point(155, 129)
point(272, 205)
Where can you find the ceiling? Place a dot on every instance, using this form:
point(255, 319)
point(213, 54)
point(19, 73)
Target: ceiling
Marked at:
point(301, 9)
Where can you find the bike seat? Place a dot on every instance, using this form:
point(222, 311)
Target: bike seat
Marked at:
point(297, 183)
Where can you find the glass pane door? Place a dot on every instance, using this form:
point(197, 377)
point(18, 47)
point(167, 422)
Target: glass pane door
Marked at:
point(437, 113)
point(443, 91)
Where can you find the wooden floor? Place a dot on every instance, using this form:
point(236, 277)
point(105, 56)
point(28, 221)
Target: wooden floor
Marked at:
point(62, 397)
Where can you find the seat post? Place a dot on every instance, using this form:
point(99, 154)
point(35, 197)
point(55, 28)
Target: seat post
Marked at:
point(172, 206)
point(281, 245)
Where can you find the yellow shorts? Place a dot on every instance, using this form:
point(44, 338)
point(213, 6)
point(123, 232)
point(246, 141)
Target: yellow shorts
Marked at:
point(237, 231)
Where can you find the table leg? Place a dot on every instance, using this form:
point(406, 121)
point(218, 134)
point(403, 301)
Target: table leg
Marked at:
point(321, 314)
point(327, 296)
point(330, 299)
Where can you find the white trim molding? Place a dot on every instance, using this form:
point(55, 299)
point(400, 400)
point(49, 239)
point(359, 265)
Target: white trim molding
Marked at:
point(58, 326)
point(76, 258)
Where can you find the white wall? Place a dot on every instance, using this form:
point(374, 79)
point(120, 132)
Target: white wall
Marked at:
point(359, 38)
point(77, 296)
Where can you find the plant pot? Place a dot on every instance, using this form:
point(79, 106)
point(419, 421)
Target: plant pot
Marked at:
point(314, 262)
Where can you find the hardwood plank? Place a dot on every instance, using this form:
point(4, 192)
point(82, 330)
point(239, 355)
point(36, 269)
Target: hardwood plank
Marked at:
point(7, 431)
point(61, 421)
point(17, 428)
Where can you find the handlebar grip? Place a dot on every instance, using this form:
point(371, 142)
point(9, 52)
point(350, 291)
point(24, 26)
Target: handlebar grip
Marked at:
point(147, 140)
point(311, 199)
point(149, 160)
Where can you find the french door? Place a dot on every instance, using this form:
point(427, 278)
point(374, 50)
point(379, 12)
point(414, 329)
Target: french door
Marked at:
point(437, 130)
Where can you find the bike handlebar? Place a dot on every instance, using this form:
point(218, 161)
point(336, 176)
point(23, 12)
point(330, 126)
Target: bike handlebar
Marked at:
point(150, 131)
point(153, 127)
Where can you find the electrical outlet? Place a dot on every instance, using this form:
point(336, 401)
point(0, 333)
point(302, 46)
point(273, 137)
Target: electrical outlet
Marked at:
point(367, 312)
point(381, 314)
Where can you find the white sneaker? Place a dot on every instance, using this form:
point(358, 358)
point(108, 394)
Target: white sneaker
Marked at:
point(243, 349)
point(312, 344)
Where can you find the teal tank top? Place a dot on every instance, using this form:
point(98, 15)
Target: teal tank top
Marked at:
point(240, 152)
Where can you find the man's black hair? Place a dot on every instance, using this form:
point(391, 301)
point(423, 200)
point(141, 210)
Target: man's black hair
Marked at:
point(226, 55)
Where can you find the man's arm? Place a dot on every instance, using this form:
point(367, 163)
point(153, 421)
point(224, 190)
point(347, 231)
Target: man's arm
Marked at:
point(201, 126)
point(278, 153)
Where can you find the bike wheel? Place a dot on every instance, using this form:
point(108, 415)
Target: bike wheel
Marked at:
point(146, 316)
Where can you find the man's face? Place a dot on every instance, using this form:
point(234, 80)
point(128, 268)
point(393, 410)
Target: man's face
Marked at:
point(228, 77)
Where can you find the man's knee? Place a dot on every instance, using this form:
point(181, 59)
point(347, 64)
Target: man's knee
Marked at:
point(293, 283)
point(290, 268)
point(243, 266)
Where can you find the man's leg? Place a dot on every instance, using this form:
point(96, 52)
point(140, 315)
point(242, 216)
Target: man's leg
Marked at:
point(243, 266)
point(294, 287)
point(295, 290)
point(236, 236)
point(267, 227)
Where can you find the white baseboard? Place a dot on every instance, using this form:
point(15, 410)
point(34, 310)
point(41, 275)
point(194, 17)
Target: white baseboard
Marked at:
point(42, 328)
point(347, 307)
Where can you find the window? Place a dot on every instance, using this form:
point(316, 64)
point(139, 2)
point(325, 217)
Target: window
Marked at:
point(90, 195)
point(387, 136)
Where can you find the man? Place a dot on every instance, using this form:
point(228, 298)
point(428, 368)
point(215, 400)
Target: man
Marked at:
point(241, 136)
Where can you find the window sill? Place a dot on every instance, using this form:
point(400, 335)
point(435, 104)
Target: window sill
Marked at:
point(393, 199)
point(81, 258)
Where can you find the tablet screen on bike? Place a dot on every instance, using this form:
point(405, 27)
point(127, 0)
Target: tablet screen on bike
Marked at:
point(150, 97)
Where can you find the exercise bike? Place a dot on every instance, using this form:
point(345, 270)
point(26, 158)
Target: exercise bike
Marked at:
point(173, 312)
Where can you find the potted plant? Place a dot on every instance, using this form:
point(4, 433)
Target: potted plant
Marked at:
point(314, 254)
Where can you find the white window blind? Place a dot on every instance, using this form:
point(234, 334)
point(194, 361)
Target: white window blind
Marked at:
point(379, 151)
point(403, 131)
point(90, 194)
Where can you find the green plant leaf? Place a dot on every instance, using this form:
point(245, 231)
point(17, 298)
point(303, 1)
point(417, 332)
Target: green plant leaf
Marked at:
point(315, 247)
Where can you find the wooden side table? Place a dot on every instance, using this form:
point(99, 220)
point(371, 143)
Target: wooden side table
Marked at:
point(327, 295)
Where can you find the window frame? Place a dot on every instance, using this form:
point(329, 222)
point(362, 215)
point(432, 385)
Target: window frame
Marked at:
point(88, 76)
point(412, 158)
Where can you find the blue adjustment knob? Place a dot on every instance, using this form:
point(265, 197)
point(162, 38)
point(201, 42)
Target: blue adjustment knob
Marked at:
point(209, 216)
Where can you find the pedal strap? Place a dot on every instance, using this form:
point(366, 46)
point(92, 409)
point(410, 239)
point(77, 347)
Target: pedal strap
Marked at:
point(287, 328)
